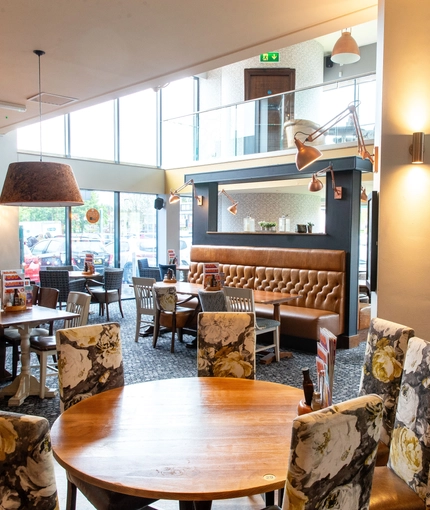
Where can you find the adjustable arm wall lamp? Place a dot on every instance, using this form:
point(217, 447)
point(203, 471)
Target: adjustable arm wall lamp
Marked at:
point(175, 197)
point(306, 155)
point(317, 185)
point(233, 208)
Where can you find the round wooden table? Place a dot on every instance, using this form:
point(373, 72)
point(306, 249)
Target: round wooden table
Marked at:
point(190, 439)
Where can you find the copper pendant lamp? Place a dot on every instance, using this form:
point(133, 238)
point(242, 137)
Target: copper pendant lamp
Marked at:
point(39, 183)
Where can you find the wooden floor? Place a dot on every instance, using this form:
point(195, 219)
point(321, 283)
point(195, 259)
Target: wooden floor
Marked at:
point(251, 503)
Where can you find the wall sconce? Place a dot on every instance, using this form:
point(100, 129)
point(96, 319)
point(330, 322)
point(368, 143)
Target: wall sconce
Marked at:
point(416, 149)
point(233, 208)
point(317, 185)
point(345, 51)
point(307, 154)
point(175, 197)
point(363, 195)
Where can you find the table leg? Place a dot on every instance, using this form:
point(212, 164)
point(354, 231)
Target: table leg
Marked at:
point(195, 505)
point(24, 384)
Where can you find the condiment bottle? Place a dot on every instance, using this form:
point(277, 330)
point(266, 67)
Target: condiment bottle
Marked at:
point(316, 401)
point(308, 386)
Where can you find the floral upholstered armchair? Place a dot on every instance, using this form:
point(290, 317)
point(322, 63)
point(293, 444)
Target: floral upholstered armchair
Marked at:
point(89, 361)
point(226, 344)
point(332, 456)
point(382, 370)
point(408, 471)
point(27, 477)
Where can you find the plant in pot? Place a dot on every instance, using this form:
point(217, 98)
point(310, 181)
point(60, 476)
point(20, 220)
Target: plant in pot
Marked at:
point(267, 225)
point(310, 225)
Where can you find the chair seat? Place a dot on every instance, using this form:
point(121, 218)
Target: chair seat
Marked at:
point(43, 343)
point(263, 323)
point(389, 491)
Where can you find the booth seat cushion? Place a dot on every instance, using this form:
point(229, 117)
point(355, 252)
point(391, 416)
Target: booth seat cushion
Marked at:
point(302, 322)
point(237, 275)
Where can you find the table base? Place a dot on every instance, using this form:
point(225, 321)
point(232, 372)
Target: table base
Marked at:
point(22, 387)
point(195, 505)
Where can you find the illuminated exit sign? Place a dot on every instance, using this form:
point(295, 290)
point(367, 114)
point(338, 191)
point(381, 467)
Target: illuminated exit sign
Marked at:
point(269, 57)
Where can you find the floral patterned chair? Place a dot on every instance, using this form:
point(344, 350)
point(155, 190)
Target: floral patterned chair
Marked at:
point(226, 344)
point(90, 362)
point(382, 372)
point(27, 477)
point(332, 456)
point(404, 484)
point(169, 314)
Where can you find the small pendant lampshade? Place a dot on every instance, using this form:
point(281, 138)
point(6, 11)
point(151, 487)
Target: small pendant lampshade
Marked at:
point(345, 51)
point(40, 184)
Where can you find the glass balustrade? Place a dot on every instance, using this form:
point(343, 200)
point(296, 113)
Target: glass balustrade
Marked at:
point(270, 123)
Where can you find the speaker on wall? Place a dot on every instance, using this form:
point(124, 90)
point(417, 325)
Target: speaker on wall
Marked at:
point(328, 61)
point(158, 203)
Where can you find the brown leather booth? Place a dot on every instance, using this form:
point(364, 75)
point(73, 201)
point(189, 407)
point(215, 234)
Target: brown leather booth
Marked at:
point(317, 277)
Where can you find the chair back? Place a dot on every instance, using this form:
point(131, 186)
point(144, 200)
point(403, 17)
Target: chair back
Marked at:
point(333, 454)
point(410, 447)
point(48, 297)
point(27, 474)
point(89, 361)
point(113, 279)
point(164, 268)
point(56, 279)
point(239, 299)
point(142, 264)
point(226, 344)
point(212, 301)
point(383, 367)
point(165, 298)
point(78, 302)
point(144, 295)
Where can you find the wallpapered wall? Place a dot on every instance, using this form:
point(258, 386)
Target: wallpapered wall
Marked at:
point(300, 208)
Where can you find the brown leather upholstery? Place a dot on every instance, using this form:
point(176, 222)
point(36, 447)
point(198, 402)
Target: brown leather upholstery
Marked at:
point(317, 277)
point(389, 492)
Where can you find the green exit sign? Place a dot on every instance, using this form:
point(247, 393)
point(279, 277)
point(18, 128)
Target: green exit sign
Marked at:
point(269, 57)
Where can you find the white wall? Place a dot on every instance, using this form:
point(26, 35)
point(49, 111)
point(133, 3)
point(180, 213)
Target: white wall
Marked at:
point(404, 231)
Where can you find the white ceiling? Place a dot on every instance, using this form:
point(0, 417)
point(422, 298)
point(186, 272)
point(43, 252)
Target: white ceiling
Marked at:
point(100, 49)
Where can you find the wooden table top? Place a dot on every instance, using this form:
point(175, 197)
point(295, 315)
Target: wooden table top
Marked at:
point(182, 439)
point(80, 274)
point(35, 314)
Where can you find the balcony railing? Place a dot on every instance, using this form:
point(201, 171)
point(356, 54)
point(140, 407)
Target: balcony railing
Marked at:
point(268, 124)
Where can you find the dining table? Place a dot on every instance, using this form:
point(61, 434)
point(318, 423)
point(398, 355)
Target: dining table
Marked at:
point(25, 383)
point(193, 440)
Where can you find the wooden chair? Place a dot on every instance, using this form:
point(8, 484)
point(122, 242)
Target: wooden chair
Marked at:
point(96, 350)
point(242, 300)
point(108, 291)
point(382, 371)
point(145, 306)
point(44, 297)
point(404, 484)
point(27, 476)
point(226, 344)
point(332, 456)
point(45, 346)
point(169, 314)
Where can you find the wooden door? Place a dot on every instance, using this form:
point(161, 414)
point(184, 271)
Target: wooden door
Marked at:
point(271, 112)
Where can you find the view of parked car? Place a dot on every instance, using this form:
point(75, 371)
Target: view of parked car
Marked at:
point(31, 265)
point(51, 252)
point(129, 252)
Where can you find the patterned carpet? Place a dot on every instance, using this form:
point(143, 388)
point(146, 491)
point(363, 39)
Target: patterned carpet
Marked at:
point(143, 363)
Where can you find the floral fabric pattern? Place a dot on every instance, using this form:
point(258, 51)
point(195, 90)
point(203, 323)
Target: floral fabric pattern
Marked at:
point(332, 456)
point(27, 478)
point(166, 297)
point(386, 347)
point(89, 361)
point(226, 344)
point(410, 442)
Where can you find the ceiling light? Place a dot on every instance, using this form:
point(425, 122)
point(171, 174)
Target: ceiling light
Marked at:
point(13, 106)
point(40, 184)
point(345, 51)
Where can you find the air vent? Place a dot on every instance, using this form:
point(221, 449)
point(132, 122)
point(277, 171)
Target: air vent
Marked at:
point(54, 99)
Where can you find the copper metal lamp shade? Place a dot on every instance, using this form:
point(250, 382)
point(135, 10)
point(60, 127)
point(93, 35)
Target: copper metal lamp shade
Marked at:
point(306, 154)
point(40, 184)
point(345, 51)
point(232, 208)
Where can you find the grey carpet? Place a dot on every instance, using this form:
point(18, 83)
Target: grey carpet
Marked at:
point(143, 363)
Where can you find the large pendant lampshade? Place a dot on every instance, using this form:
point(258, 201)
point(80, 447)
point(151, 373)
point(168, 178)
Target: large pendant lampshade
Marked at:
point(39, 183)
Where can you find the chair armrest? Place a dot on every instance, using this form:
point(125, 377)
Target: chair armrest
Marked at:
point(77, 284)
point(181, 301)
point(95, 282)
